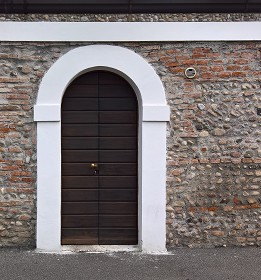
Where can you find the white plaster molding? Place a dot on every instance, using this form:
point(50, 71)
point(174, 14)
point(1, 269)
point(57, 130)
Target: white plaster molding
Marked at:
point(153, 198)
point(47, 112)
point(156, 113)
point(119, 60)
point(153, 112)
point(129, 31)
point(48, 185)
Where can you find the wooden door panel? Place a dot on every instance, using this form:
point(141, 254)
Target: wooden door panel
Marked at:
point(117, 169)
point(82, 221)
point(120, 195)
point(127, 117)
point(128, 208)
point(84, 91)
point(118, 182)
point(118, 236)
point(92, 78)
point(103, 156)
point(80, 130)
point(79, 236)
point(115, 91)
point(117, 104)
point(80, 143)
point(79, 117)
point(117, 156)
point(107, 78)
point(103, 143)
point(122, 221)
point(75, 195)
point(77, 169)
point(115, 143)
point(80, 104)
point(109, 169)
point(80, 208)
point(118, 130)
point(99, 125)
point(80, 182)
point(80, 156)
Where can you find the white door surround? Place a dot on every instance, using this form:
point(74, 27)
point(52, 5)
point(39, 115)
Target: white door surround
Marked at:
point(153, 114)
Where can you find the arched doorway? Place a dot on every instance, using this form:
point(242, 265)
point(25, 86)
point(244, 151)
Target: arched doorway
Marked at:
point(153, 115)
point(99, 127)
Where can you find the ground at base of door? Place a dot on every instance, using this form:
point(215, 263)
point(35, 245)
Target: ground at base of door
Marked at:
point(180, 264)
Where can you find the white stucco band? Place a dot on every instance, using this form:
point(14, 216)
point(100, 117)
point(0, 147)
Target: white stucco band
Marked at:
point(153, 115)
point(129, 31)
point(51, 112)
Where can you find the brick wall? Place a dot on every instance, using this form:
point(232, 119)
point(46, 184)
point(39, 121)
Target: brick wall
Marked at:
point(214, 152)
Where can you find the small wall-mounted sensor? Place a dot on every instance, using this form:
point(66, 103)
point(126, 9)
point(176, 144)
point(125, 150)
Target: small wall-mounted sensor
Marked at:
point(190, 72)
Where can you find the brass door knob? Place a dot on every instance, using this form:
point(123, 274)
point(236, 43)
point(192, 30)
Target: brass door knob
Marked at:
point(94, 165)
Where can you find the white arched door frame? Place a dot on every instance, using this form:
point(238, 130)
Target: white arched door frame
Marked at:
point(153, 115)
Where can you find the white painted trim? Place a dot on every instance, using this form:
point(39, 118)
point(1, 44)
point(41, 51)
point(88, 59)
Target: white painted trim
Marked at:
point(153, 112)
point(129, 31)
point(114, 59)
point(48, 185)
point(47, 112)
point(156, 113)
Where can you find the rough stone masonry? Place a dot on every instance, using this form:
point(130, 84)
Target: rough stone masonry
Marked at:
point(213, 146)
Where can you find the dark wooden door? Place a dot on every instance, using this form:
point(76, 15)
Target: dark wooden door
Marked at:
point(99, 127)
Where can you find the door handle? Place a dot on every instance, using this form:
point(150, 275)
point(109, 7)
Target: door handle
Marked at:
point(94, 165)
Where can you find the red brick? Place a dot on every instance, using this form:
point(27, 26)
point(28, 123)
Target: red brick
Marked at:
point(201, 62)
point(217, 68)
point(176, 172)
point(172, 64)
point(199, 55)
point(224, 75)
point(218, 233)
point(215, 160)
point(225, 159)
point(233, 67)
point(247, 160)
point(176, 70)
point(28, 180)
point(240, 61)
point(213, 208)
point(207, 75)
point(256, 160)
point(236, 160)
point(238, 74)
point(165, 58)
point(24, 217)
point(204, 160)
point(21, 173)
point(13, 80)
point(188, 62)
point(8, 168)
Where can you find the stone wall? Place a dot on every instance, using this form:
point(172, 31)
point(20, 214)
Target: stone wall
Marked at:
point(214, 152)
point(21, 69)
point(132, 17)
